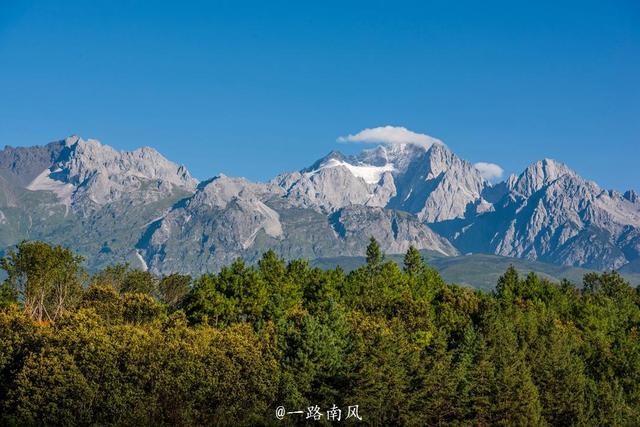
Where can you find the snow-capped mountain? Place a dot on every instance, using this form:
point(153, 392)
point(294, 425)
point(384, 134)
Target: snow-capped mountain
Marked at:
point(141, 208)
point(432, 183)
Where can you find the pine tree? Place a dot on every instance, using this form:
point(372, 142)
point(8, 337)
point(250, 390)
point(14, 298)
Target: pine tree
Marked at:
point(374, 254)
point(508, 284)
point(413, 264)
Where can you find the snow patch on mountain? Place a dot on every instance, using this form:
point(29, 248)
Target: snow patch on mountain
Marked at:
point(143, 263)
point(370, 174)
point(44, 182)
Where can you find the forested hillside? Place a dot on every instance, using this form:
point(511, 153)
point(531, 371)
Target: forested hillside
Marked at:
point(123, 347)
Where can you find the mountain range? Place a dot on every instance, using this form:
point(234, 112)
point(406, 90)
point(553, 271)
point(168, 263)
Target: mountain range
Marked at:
point(141, 208)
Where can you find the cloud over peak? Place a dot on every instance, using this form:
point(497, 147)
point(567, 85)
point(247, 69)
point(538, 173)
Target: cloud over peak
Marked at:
point(390, 135)
point(489, 171)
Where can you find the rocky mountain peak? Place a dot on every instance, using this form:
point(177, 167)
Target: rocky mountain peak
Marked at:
point(431, 182)
point(140, 203)
point(551, 213)
point(442, 159)
point(219, 191)
point(538, 175)
point(89, 157)
point(332, 155)
point(71, 140)
point(87, 172)
point(398, 155)
point(437, 185)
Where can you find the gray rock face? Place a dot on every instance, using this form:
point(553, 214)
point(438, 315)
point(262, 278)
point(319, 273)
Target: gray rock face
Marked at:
point(87, 196)
point(141, 208)
point(538, 175)
point(439, 186)
point(19, 166)
point(328, 209)
point(631, 196)
point(434, 184)
point(211, 228)
point(396, 230)
point(551, 214)
point(96, 171)
point(332, 188)
point(229, 218)
point(96, 174)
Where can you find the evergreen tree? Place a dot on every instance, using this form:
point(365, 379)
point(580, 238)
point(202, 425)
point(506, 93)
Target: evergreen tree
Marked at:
point(413, 263)
point(508, 284)
point(375, 257)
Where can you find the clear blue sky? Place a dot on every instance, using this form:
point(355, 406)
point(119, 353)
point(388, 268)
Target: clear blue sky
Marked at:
point(255, 88)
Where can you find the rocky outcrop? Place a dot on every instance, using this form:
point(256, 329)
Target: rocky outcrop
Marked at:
point(21, 165)
point(396, 230)
point(550, 213)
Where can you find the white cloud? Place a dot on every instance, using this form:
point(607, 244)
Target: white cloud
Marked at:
point(489, 171)
point(390, 135)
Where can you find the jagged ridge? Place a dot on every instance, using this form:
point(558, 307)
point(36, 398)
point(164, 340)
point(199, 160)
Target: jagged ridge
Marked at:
point(140, 207)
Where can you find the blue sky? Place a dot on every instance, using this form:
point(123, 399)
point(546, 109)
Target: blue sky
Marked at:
point(255, 88)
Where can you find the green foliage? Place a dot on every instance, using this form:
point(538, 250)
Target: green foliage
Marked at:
point(173, 288)
point(113, 275)
point(139, 281)
point(8, 295)
point(46, 279)
point(374, 254)
point(228, 348)
point(413, 263)
point(51, 390)
point(105, 301)
point(139, 308)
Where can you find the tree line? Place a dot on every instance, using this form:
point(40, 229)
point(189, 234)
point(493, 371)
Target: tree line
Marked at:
point(125, 347)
